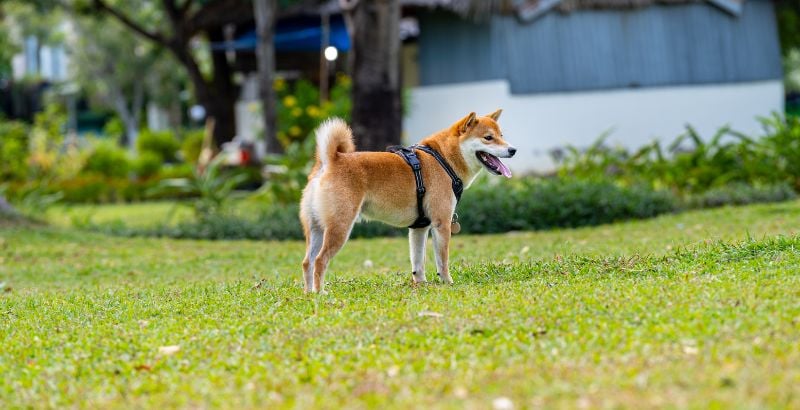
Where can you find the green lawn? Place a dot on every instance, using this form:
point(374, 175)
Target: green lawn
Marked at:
point(700, 309)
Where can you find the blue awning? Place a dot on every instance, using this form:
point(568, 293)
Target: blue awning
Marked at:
point(301, 35)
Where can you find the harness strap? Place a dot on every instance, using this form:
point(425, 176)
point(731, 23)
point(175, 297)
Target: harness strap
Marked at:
point(413, 161)
point(458, 185)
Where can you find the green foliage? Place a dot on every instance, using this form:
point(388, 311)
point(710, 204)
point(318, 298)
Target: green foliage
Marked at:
point(108, 159)
point(741, 194)
point(212, 187)
point(791, 75)
point(288, 173)
point(691, 164)
point(96, 188)
point(114, 128)
point(299, 109)
point(162, 143)
point(14, 150)
point(7, 50)
point(33, 203)
point(780, 149)
point(46, 143)
point(147, 164)
point(788, 15)
point(526, 204)
point(192, 145)
point(534, 204)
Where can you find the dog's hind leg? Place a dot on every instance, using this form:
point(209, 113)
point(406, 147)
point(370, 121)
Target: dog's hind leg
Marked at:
point(337, 227)
point(314, 235)
point(417, 239)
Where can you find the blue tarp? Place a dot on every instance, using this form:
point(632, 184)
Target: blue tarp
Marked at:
point(293, 36)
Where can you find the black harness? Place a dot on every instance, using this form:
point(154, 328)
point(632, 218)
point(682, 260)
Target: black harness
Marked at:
point(410, 156)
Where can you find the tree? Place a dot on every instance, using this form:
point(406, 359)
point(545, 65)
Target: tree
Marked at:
point(374, 27)
point(788, 15)
point(264, 11)
point(185, 21)
point(109, 61)
point(7, 50)
point(106, 68)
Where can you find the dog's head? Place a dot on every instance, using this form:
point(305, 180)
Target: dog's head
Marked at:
point(482, 144)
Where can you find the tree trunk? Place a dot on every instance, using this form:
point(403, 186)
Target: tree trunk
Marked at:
point(127, 114)
point(375, 67)
point(265, 11)
point(220, 97)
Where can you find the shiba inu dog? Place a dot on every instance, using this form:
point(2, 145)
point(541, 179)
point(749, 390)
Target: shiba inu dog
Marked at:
point(345, 184)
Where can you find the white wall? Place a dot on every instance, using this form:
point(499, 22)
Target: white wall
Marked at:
point(535, 124)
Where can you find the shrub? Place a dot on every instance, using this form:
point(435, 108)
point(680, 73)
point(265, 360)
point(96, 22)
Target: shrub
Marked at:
point(299, 109)
point(691, 165)
point(525, 204)
point(289, 172)
point(162, 143)
point(192, 145)
point(781, 148)
point(741, 194)
point(13, 150)
point(109, 160)
point(534, 204)
point(212, 187)
point(147, 164)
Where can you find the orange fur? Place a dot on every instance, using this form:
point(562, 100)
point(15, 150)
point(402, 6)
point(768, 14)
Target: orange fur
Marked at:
point(380, 186)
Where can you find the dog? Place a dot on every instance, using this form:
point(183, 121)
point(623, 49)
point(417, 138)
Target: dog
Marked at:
point(345, 185)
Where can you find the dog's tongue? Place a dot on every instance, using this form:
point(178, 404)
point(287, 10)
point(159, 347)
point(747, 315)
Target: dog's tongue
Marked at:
point(500, 166)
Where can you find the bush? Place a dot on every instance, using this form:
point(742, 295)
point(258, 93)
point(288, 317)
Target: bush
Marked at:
point(109, 160)
point(299, 112)
point(192, 145)
point(489, 206)
point(525, 204)
point(692, 165)
point(534, 204)
point(741, 194)
point(147, 164)
point(781, 149)
point(13, 150)
point(162, 143)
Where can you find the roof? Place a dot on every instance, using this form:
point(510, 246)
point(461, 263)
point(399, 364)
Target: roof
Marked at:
point(528, 10)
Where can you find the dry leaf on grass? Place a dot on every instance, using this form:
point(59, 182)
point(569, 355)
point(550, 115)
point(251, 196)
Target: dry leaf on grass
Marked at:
point(169, 350)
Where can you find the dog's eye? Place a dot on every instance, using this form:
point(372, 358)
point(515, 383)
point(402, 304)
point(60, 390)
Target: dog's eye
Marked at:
point(488, 138)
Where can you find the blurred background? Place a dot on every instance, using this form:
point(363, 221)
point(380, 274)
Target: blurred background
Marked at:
point(661, 105)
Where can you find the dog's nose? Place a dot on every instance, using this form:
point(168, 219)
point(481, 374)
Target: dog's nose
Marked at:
point(511, 151)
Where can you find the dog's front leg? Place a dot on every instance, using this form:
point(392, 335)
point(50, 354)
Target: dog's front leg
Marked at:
point(441, 246)
point(417, 238)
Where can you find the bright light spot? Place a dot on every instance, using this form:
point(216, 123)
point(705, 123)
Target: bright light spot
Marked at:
point(331, 53)
point(197, 112)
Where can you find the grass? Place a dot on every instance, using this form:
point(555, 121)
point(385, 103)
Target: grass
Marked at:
point(699, 309)
point(143, 214)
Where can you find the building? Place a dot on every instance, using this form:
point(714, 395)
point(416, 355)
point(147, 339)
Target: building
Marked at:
point(565, 71)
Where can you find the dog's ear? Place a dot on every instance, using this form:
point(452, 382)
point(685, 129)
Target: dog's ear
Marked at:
point(495, 115)
point(465, 124)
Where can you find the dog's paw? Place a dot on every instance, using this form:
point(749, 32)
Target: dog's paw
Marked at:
point(448, 280)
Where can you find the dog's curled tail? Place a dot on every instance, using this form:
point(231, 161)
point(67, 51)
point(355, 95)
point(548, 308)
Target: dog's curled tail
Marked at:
point(333, 137)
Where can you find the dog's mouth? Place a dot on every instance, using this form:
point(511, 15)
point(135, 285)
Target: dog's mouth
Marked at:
point(493, 164)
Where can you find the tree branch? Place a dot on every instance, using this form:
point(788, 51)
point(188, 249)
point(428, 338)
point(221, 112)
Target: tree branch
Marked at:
point(217, 13)
point(127, 21)
point(187, 4)
point(172, 11)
